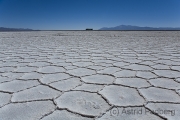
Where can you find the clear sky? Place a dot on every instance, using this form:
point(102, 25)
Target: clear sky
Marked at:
point(81, 14)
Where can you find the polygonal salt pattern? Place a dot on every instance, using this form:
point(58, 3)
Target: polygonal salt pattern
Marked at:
point(64, 115)
point(25, 69)
point(99, 79)
point(26, 111)
point(161, 67)
point(167, 73)
point(138, 67)
point(82, 64)
point(36, 93)
point(160, 95)
point(125, 73)
point(165, 83)
point(120, 64)
point(131, 69)
point(90, 87)
point(65, 85)
point(51, 69)
point(122, 96)
point(169, 111)
point(81, 72)
point(48, 78)
point(12, 75)
point(129, 113)
point(109, 70)
point(145, 75)
point(31, 76)
point(17, 85)
point(84, 103)
point(39, 64)
point(132, 82)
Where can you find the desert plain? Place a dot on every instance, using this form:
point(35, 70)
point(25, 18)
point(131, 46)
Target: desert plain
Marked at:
point(90, 75)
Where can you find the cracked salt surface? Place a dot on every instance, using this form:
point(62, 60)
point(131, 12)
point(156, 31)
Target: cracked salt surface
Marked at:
point(132, 82)
point(122, 96)
point(89, 75)
point(99, 79)
point(64, 115)
point(26, 111)
point(85, 103)
point(129, 113)
point(36, 93)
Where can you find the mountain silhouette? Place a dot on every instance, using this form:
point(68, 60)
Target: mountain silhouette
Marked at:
point(14, 29)
point(131, 27)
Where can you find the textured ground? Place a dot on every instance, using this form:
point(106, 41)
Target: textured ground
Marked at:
point(81, 75)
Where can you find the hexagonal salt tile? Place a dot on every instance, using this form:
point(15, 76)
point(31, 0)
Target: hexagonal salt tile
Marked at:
point(103, 61)
point(100, 79)
point(82, 64)
point(96, 67)
point(90, 87)
point(138, 67)
point(147, 63)
point(167, 73)
point(167, 110)
point(165, 83)
point(48, 78)
point(25, 69)
point(56, 60)
point(39, 64)
point(132, 61)
point(63, 64)
point(12, 75)
point(132, 82)
point(51, 69)
point(109, 70)
point(161, 67)
point(26, 111)
point(81, 72)
point(64, 115)
point(84, 103)
point(31, 76)
point(159, 95)
point(66, 85)
point(104, 64)
point(145, 75)
point(122, 96)
point(17, 85)
point(129, 113)
point(4, 99)
point(125, 73)
point(120, 64)
point(36, 93)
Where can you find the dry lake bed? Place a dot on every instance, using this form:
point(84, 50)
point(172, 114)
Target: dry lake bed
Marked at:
point(87, 75)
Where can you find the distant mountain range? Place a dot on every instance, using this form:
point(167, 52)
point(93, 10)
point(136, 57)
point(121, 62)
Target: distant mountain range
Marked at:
point(15, 29)
point(130, 27)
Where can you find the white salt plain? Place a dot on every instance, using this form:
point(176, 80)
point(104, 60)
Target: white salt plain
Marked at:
point(87, 75)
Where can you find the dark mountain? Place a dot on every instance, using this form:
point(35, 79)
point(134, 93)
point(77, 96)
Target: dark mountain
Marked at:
point(130, 27)
point(14, 29)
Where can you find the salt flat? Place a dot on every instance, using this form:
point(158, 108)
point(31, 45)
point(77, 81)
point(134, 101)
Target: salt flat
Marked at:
point(87, 75)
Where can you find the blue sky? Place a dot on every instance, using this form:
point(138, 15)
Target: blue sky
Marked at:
point(81, 14)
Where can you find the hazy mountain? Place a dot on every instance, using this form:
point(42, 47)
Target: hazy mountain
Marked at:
point(130, 27)
point(14, 29)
